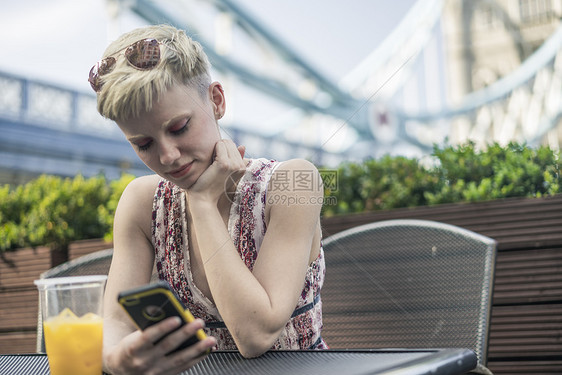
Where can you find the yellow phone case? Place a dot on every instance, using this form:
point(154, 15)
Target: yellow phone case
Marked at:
point(152, 303)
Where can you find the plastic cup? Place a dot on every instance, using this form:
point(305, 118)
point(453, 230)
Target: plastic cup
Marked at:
point(71, 308)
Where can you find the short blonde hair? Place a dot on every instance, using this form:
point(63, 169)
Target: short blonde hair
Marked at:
point(127, 91)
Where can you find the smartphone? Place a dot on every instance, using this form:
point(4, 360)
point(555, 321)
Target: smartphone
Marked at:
point(152, 303)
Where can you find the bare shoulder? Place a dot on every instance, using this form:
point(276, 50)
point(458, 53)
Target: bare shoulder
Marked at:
point(295, 189)
point(135, 205)
point(142, 186)
point(298, 175)
point(298, 164)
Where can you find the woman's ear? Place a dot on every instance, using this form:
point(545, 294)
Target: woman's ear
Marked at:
point(216, 94)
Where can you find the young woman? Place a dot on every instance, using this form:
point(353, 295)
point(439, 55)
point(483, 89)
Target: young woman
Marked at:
point(238, 240)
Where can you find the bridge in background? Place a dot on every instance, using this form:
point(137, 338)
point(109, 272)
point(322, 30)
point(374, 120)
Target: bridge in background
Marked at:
point(394, 102)
point(49, 129)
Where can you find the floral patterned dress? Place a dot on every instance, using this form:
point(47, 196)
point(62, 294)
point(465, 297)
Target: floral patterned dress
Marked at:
point(247, 227)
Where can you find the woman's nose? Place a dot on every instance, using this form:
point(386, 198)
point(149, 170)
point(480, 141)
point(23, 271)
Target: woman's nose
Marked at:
point(169, 153)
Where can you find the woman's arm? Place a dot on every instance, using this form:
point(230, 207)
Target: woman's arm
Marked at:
point(256, 305)
point(132, 260)
point(127, 350)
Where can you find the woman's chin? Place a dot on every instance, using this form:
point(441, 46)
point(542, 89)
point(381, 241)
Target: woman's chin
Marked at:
point(184, 183)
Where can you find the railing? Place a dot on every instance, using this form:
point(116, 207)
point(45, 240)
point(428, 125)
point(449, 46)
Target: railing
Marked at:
point(45, 128)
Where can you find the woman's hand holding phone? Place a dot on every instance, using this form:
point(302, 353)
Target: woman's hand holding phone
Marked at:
point(168, 341)
point(137, 353)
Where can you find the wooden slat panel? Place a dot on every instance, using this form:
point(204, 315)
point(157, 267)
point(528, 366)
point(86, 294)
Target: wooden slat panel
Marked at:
point(528, 276)
point(515, 221)
point(19, 309)
point(18, 342)
point(23, 266)
point(81, 248)
point(535, 330)
point(526, 367)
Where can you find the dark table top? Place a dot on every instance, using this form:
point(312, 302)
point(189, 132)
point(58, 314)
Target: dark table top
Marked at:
point(324, 362)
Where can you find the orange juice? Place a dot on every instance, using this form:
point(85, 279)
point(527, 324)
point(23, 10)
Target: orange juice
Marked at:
point(74, 345)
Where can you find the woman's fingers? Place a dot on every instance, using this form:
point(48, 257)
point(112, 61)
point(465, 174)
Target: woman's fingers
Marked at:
point(242, 151)
point(190, 356)
point(228, 153)
point(147, 338)
point(175, 361)
point(152, 350)
point(173, 340)
point(228, 162)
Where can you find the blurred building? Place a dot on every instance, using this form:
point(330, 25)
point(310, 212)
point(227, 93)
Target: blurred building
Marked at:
point(487, 40)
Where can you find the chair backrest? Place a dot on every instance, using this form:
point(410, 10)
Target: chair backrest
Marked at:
point(96, 263)
point(408, 284)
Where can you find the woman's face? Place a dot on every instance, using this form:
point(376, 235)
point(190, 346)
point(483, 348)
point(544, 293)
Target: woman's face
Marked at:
point(177, 138)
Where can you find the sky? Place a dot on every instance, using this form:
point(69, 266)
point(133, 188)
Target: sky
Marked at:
point(59, 40)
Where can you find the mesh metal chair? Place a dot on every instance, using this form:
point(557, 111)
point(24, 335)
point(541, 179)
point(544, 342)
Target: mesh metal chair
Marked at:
point(96, 263)
point(408, 284)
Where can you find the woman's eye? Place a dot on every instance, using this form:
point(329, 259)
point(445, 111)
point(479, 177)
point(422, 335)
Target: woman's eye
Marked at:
point(144, 146)
point(179, 129)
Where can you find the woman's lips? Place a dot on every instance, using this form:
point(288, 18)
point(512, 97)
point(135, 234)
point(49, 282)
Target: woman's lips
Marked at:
point(180, 172)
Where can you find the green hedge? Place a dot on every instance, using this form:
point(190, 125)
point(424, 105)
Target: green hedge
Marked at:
point(454, 174)
point(54, 211)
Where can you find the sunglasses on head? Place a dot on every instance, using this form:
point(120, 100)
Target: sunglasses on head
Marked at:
point(143, 54)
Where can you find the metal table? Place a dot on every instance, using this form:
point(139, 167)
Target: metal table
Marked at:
point(310, 362)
